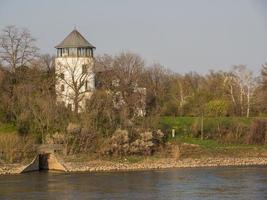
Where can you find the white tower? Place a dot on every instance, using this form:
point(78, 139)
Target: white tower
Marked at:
point(75, 79)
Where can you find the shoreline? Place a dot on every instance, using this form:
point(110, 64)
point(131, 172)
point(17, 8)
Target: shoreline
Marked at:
point(147, 164)
point(107, 166)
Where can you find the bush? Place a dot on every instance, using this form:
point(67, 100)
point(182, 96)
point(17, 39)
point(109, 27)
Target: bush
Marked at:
point(216, 108)
point(143, 145)
point(258, 132)
point(76, 139)
point(73, 128)
point(118, 144)
point(23, 124)
point(16, 148)
point(138, 143)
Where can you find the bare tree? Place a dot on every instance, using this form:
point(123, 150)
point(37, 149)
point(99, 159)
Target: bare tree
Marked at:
point(229, 84)
point(156, 78)
point(48, 63)
point(127, 68)
point(264, 75)
point(245, 81)
point(17, 47)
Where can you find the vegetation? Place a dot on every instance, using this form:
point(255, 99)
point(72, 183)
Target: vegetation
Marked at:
point(131, 103)
point(7, 128)
point(214, 128)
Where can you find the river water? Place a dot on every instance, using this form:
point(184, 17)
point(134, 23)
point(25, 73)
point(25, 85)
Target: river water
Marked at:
point(198, 183)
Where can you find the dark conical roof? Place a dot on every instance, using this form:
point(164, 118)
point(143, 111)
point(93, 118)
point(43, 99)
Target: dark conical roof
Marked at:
point(74, 40)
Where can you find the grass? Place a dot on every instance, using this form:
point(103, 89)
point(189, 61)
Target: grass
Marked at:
point(211, 148)
point(184, 125)
point(235, 127)
point(208, 144)
point(7, 128)
point(212, 144)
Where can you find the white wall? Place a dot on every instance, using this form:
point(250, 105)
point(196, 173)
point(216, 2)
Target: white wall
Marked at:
point(72, 66)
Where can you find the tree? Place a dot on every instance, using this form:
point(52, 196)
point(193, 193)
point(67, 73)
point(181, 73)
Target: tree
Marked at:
point(241, 86)
point(230, 87)
point(246, 83)
point(264, 76)
point(260, 100)
point(17, 47)
point(122, 78)
point(47, 63)
point(156, 81)
point(216, 108)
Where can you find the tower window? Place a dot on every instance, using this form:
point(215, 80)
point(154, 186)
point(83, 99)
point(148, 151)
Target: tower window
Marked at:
point(81, 52)
point(73, 52)
point(88, 52)
point(62, 88)
point(86, 85)
point(84, 69)
point(59, 52)
point(70, 106)
point(62, 76)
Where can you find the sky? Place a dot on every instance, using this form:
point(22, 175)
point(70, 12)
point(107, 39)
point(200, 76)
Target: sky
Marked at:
point(182, 35)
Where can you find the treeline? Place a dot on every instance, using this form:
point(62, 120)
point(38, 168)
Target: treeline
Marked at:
point(126, 86)
point(218, 93)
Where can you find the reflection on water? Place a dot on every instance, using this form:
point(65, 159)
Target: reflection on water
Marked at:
point(203, 183)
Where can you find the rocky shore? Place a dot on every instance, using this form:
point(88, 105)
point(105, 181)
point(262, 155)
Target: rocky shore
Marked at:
point(148, 164)
point(10, 168)
point(100, 166)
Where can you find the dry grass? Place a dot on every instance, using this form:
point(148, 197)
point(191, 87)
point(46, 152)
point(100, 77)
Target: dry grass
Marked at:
point(15, 148)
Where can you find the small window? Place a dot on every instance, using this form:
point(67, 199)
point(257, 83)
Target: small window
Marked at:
point(59, 52)
point(82, 53)
point(84, 69)
point(65, 52)
point(88, 52)
point(69, 106)
point(62, 76)
point(86, 85)
point(62, 88)
point(79, 52)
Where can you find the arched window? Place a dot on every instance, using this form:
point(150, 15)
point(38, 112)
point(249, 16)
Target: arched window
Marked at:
point(62, 76)
point(84, 69)
point(86, 85)
point(62, 88)
point(69, 106)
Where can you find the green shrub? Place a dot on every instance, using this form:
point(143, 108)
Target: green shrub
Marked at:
point(222, 129)
point(7, 128)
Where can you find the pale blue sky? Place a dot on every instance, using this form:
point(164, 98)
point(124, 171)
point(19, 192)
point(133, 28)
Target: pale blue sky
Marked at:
point(188, 35)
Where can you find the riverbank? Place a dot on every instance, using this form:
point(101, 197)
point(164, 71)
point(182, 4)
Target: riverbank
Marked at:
point(146, 164)
point(10, 168)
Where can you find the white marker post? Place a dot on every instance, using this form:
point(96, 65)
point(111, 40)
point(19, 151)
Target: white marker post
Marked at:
point(173, 133)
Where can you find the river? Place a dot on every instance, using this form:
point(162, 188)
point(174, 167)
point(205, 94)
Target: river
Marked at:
point(196, 183)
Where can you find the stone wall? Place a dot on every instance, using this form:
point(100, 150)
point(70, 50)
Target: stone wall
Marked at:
point(46, 161)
